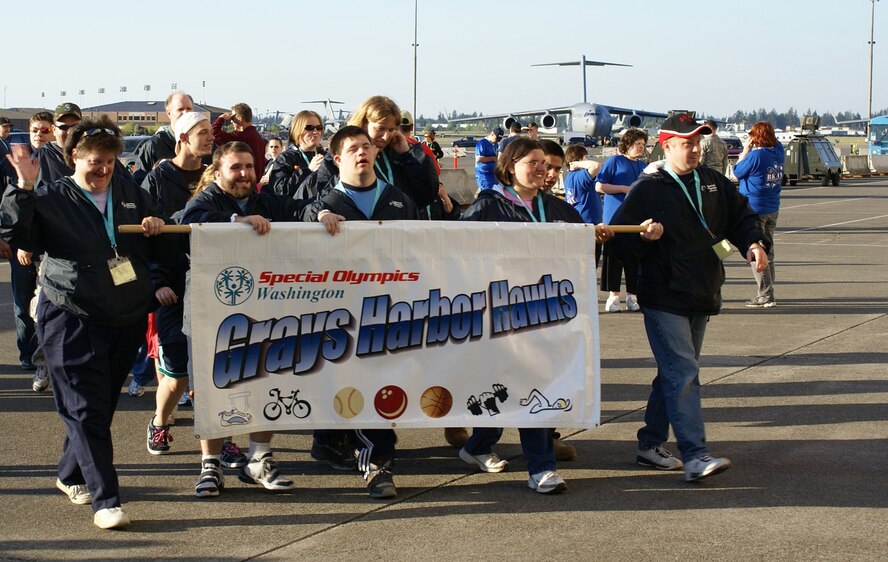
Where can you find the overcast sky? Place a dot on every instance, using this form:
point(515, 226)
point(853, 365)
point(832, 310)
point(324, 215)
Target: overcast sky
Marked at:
point(712, 56)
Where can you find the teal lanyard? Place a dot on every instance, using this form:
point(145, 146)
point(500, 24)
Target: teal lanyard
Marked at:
point(304, 157)
point(699, 207)
point(389, 177)
point(107, 216)
point(539, 199)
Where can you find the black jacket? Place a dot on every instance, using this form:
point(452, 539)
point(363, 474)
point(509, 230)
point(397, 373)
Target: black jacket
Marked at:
point(62, 220)
point(214, 205)
point(435, 211)
point(491, 205)
point(166, 184)
point(392, 205)
point(159, 147)
point(288, 171)
point(680, 273)
point(414, 175)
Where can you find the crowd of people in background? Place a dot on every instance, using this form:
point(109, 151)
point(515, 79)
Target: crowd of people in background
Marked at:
point(109, 305)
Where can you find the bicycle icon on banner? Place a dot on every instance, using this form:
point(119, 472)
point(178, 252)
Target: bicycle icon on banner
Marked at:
point(299, 408)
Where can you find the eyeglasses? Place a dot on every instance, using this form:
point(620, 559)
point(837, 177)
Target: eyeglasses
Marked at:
point(318, 128)
point(63, 127)
point(41, 130)
point(98, 130)
point(532, 163)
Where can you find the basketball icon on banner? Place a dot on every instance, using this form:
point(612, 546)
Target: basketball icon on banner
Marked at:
point(436, 402)
point(390, 402)
point(348, 402)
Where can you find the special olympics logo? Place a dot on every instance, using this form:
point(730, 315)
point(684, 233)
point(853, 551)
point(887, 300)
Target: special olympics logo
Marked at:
point(234, 286)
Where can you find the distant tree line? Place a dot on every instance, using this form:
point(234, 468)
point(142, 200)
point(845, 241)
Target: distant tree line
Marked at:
point(792, 118)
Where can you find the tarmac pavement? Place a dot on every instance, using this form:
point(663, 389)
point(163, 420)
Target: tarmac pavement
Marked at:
point(796, 396)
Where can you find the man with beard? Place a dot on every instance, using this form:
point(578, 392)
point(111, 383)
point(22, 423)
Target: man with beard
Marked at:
point(233, 198)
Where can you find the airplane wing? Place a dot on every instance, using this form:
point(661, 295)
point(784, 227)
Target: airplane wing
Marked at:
point(553, 111)
point(626, 111)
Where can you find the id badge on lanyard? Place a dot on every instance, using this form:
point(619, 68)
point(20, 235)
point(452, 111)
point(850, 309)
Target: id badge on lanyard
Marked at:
point(121, 267)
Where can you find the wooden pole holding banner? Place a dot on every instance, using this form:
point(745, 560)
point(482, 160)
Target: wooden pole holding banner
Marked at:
point(165, 229)
point(186, 228)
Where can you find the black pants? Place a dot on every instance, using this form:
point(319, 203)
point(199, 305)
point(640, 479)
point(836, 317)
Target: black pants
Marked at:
point(88, 364)
point(612, 269)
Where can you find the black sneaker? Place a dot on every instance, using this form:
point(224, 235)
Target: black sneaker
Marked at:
point(211, 479)
point(159, 438)
point(232, 456)
point(380, 483)
point(340, 456)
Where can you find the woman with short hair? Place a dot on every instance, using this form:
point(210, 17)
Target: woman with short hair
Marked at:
point(97, 293)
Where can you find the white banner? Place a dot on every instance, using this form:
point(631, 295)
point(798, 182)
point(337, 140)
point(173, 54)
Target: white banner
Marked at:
point(403, 324)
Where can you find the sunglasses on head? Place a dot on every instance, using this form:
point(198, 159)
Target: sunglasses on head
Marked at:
point(99, 130)
point(41, 130)
point(318, 128)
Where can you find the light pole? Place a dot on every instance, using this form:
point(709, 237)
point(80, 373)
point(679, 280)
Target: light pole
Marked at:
point(869, 100)
point(415, 46)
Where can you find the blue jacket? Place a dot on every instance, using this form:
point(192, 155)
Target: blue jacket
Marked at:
point(761, 177)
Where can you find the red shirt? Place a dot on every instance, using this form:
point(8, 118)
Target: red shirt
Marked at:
point(250, 136)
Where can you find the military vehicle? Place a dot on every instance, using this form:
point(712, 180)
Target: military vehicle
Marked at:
point(810, 156)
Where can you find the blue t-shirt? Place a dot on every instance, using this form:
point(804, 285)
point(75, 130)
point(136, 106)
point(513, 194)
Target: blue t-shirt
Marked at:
point(364, 198)
point(484, 170)
point(579, 191)
point(761, 177)
point(618, 170)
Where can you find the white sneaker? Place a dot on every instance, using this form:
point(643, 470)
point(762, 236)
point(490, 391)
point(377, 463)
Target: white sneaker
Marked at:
point(546, 482)
point(111, 518)
point(704, 466)
point(487, 463)
point(632, 303)
point(77, 493)
point(41, 379)
point(657, 457)
point(612, 304)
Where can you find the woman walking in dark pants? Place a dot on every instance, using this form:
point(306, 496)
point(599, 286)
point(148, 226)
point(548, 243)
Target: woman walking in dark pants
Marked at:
point(97, 292)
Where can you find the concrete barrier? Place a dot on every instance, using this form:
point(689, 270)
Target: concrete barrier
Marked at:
point(460, 184)
point(879, 163)
point(842, 149)
point(856, 165)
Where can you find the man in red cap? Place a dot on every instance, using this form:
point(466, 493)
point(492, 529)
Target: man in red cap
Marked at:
point(692, 215)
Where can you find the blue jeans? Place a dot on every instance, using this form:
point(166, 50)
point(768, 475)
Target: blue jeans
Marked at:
point(24, 284)
point(536, 444)
point(675, 393)
point(143, 366)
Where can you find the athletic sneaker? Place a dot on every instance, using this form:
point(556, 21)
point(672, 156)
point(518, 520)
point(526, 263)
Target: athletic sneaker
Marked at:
point(612, 304)
point(380, 482)
point(546, 482)
point(135, 389)
point(487, 463)
point(658, 457)
point(232, 456)
point(338, 456)
point(185, 399)
point(159, 438)
point(704, 466)
point(111, 518)
point(761, 302)
point(41, 379)
point(632, 303)
point(262, 470)
point(211, 479)
point(77, 493)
